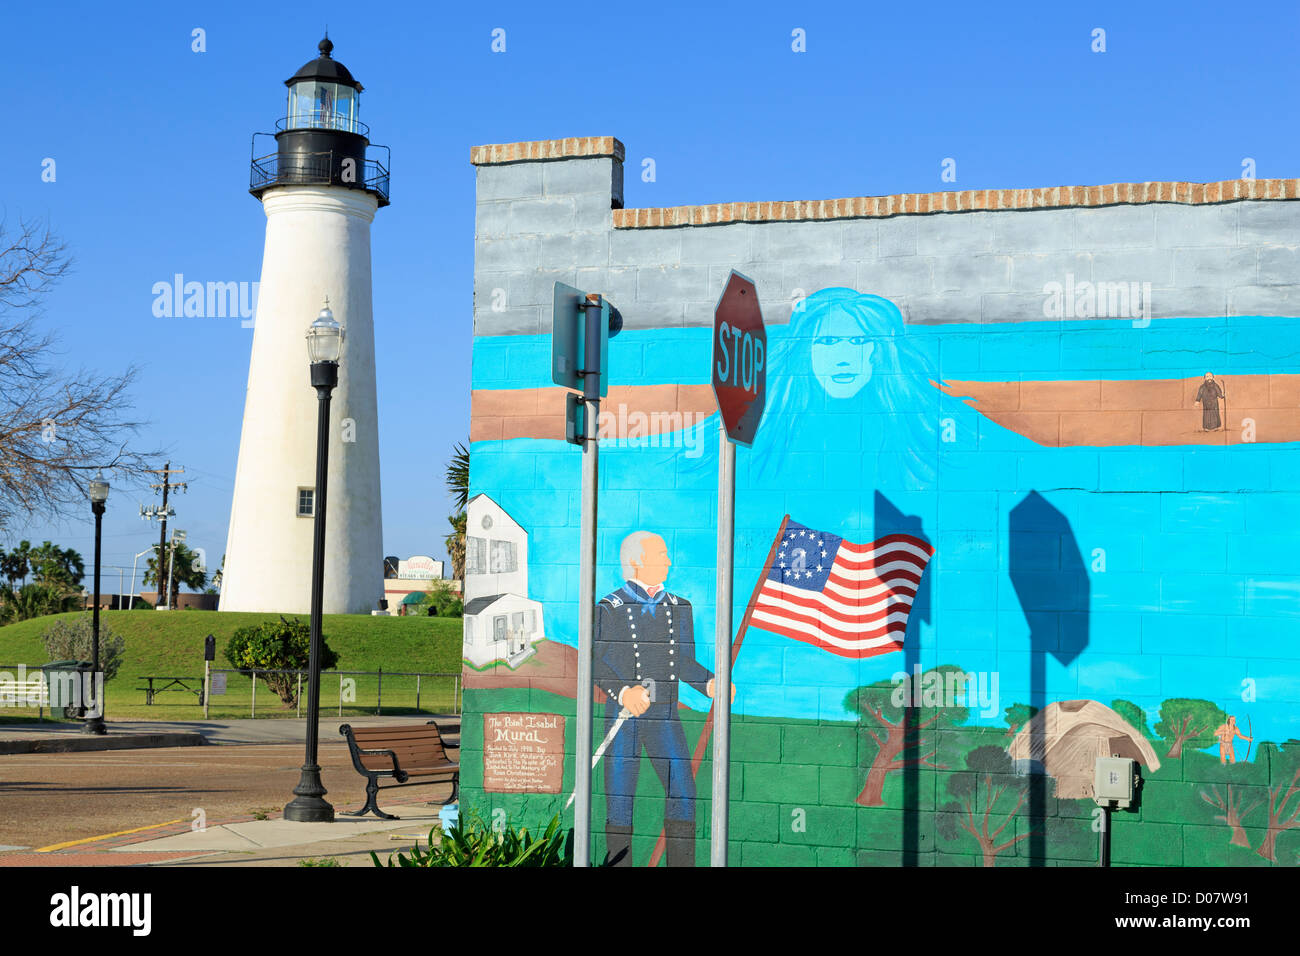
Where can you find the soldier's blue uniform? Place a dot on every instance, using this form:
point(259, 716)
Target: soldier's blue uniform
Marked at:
point(638, 639)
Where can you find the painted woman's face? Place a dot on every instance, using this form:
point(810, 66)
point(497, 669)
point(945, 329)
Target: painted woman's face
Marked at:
point(841, 355)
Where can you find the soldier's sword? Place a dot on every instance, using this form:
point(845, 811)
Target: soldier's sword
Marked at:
point(623, 715)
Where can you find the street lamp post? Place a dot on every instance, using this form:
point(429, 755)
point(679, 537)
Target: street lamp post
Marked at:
point(324, 346)
point(98, 496)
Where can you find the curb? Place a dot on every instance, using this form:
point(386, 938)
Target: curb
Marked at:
point(77, 744)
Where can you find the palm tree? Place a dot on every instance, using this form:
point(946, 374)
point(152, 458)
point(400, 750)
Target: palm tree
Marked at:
point(35, 600)
point(186, 569)
point(15, 565)
point(457, 478)
point(51, 564)
point(455, 543)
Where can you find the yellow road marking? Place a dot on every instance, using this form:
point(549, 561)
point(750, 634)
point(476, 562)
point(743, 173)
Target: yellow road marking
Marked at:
point(105, 836)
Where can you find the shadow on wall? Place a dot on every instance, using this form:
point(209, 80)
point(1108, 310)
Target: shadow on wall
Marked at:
point(1051, 583)
point(890, 520)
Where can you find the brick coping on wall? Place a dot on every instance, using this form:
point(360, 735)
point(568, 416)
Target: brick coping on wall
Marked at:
point(879, 207)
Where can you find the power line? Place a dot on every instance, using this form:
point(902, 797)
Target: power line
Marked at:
point(164, 576)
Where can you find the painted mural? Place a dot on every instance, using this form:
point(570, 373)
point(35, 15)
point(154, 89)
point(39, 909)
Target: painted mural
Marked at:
point(969, 560)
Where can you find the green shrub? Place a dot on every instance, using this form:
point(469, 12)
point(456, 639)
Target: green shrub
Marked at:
point(471, 842)
point(277, 645)
point(36, 600)
point(74, 641)
point(445, 601)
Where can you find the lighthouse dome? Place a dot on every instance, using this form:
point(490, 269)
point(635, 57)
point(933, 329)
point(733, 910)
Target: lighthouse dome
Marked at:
point(325, 68)
point(324, 95)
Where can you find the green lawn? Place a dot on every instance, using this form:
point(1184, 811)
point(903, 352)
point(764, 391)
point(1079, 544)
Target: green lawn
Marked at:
point(170, 643)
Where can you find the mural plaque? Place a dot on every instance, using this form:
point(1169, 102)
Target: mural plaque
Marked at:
point(523, 753)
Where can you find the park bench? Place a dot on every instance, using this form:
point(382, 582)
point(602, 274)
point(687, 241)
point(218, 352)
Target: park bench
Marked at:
point(31, 692)
point(403, 752)
point(173, 683)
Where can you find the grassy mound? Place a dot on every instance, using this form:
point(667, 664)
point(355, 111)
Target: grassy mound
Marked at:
point(170, 644)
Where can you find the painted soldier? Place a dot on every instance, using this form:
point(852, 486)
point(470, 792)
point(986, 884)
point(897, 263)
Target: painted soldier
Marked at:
point(645, 645)
point(1208, 396)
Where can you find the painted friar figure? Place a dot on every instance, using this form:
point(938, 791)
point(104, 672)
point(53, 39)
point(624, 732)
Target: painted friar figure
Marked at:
point(1208, 396)
point(645, 645)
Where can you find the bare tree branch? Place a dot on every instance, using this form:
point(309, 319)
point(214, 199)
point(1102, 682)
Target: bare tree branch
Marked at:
point(56, 426)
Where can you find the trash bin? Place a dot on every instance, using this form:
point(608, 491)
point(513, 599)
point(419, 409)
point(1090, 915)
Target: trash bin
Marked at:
point(67, 683)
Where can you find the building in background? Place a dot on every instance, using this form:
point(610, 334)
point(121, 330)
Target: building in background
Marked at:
point(407, 580)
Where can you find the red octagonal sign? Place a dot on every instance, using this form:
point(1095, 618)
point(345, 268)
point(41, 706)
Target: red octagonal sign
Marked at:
point(739, 359)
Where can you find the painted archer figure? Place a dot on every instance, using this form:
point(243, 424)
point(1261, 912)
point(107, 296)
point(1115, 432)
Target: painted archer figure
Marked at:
point(1226, 733)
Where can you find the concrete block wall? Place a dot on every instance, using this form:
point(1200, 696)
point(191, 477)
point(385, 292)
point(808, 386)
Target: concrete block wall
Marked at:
point(1166, 545)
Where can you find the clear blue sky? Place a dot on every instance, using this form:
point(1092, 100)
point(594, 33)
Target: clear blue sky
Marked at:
point(151, 142)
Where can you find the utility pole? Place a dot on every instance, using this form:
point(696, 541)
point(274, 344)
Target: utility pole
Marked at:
point(153, 511)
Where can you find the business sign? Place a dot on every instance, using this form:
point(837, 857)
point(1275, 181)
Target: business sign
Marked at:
point(419, 568)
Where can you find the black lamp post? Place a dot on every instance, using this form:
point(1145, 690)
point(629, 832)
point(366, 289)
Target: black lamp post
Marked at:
point(98, 495)
point(324, 346)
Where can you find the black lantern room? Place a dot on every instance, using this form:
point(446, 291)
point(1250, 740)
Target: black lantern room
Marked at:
point(321, 140)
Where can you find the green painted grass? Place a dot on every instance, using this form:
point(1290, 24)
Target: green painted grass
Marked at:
point(170, 643)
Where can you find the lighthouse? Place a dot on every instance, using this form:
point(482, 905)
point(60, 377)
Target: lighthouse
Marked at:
point(320, 189)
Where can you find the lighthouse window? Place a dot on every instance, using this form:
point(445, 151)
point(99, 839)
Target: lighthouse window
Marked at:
point(306, 502)
point(316, 104)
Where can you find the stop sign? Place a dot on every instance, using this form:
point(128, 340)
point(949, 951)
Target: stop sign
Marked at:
point(739, 359)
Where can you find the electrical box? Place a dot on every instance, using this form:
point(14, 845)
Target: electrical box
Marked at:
point(1115, 781)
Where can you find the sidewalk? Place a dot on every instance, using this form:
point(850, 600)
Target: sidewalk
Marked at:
point(274, 730)
point(274, 842)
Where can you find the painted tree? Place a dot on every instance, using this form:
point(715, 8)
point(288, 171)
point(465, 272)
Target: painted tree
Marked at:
point(1016, 716)
point(1283, 815)
point(1188, 722)
point(892, 717)
point(990, 796)
point(1134, 714)
point(1232, 812)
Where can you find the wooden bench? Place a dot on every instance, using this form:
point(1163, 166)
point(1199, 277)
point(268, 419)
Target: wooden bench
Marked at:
point(403, 753)
point(33, 692)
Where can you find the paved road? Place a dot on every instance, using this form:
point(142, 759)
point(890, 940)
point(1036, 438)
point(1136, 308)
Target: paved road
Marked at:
point(47, 799)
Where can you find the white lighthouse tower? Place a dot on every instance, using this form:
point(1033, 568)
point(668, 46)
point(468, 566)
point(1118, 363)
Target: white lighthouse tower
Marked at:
point(320, 193)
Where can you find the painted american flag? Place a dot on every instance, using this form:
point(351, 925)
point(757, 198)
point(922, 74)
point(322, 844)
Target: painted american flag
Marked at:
point(850, 599)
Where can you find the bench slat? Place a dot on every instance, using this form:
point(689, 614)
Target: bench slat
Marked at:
point(366, 738)
point(408, 758)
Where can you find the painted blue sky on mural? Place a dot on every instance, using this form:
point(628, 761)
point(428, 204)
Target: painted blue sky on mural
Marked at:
point(1141, 572)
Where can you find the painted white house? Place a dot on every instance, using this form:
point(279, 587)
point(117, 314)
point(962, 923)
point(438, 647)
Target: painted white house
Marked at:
point(501, 623)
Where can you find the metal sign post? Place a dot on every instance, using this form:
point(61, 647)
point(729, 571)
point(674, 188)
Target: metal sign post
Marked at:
point(740, 385)
point(579, 359)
